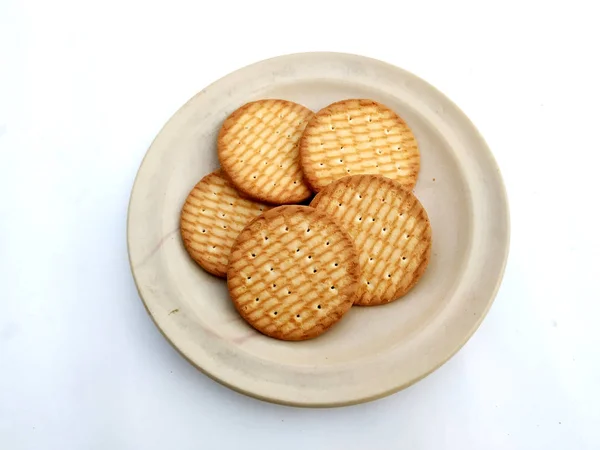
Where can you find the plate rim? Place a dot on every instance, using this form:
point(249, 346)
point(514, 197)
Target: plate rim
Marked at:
point(506, 247)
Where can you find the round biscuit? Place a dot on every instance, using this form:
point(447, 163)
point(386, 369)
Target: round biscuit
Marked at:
point(258, 150)
point(211, 219)
point(293, 273)
point(354, 137)
point(391, 232)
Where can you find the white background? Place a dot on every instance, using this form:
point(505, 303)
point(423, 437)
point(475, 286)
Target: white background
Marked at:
point(84, 88)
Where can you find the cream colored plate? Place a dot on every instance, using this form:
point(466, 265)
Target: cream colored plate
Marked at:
point(374, 351)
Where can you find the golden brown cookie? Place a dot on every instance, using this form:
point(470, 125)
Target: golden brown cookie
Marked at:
point(293, 273)
point(258, 150)
point(354, 137)
point(391, 232)
point(211, 219)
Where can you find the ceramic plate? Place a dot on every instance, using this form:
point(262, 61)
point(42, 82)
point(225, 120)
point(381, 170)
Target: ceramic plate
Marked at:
point(373, 351)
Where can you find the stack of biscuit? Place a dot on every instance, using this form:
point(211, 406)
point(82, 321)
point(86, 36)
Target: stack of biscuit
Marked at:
point(292, 270)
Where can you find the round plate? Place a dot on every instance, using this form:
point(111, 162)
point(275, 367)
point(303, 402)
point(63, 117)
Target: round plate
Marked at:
point(373, 351)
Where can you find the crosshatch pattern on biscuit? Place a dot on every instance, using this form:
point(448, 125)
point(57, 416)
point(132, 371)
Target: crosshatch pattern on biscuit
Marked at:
point(258, 149)
point(390, 229)
point(212, 217)
point(358, 136)
point(293, 273)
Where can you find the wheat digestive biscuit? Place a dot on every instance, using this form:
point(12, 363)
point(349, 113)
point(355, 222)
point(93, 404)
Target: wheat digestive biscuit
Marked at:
point(293, 273)
point(358, 136)
point(391, 232)
point(212, 216)
point(258, 150)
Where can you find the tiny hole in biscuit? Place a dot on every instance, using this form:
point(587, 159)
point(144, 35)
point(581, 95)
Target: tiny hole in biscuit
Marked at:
point(295, 182)
point(224, 226)
point(297, 250)
point(321, 164)
point(332, 127)
point(379, 151)
point(230, 204)
point(384, 230)
point(289, 292)
point(277, 131)
point(407, 236)
point(332, 288)
point(387, 131)
point(204, 231)
point(398, 148)
point(298, 316)
point(404, 258)
point(256, 299)
point(214, 246)
point(266, 162)
point(203, 210)
point(389, 275)
point(254, 177)
point(214, 193)
point(359, 196)
point(254, 255)
point(260, 209)
point(372, 219)
point(249, 278)
point(341, 160)
point(314, 270)
point(309, 257)
point(371, 259)
point(308, 230)
point(274, 285)
point(327, 243)
point(335, 264)
point(275, 313)
point(368, 282)
point(319, 306)
point(348, 170)
point(341, 148)
point(339, 204)
point(266, 238)
point(289, 135)
point(223, 214)
point(241, 160)
point(369, 118)
point(376, 165)
point(359, 219)
point(286, 228)
point(272, 269)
